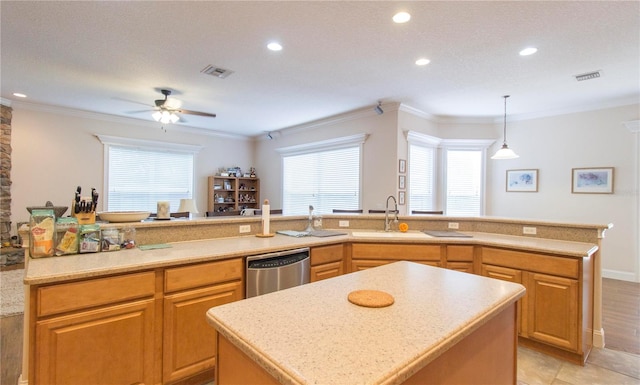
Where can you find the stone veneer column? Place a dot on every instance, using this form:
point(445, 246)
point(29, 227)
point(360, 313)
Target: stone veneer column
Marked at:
point(5, 173)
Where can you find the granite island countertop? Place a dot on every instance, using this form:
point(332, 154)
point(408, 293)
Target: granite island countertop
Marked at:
point(312, 334)
point(78, 266)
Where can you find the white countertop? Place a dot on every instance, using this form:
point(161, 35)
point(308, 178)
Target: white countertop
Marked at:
point(311, 334)
point(57, 269)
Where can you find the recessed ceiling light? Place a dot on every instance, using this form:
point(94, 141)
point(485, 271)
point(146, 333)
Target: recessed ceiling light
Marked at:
point(274, 46)
point(19, 95)
point(422, 62)
point(401, 17)
point(528, 51)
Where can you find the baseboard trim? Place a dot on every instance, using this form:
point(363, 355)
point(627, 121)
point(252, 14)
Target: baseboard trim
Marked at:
point(598, 338)
point(620, 275)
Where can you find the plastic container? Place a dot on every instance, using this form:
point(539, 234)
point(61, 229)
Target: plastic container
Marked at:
point(67, 243)
point(42, 232)
point(89, 238)
point(111, 240)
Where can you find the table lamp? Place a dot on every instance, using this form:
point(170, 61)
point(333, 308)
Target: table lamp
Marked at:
point(188, 205)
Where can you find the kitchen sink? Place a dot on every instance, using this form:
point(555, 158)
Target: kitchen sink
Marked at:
point(389, 234)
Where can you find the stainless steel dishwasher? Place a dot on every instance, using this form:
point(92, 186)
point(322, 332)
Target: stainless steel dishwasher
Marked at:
point(271, 272)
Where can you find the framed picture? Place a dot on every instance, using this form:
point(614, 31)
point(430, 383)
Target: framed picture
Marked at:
point(402, 166)
point(522, 180)
point(401, 198)
point(592, 180)
point(401, 182)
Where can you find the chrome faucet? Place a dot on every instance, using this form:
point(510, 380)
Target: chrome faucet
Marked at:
point(387, 226)
point(310, 224)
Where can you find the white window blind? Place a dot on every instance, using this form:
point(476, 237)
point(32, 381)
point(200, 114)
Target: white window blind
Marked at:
point(325, 179)
point(421, 177)
point(140, 177)
point(464, 182)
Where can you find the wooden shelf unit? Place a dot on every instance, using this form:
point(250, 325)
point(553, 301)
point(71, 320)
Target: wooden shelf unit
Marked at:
point(237, 193)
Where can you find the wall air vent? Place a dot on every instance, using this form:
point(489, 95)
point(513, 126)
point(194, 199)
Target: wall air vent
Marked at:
point(588, 76)
point(216, 71)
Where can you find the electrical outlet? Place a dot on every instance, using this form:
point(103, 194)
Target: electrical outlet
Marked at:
point(453, 225)
point(245, 229)
point(529, 230)
point(343, 223)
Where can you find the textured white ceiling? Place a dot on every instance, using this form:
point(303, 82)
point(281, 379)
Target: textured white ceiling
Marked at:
point(112, 57)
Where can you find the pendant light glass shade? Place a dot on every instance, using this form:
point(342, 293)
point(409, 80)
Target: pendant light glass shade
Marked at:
point(505, 152)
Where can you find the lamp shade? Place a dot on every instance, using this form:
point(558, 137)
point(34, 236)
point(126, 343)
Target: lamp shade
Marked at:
point(188, 205)
point(505, 153)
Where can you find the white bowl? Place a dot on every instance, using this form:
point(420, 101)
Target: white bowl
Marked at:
point(124, 216)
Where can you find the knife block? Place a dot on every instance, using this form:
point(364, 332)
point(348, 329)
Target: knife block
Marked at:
point(84, 218)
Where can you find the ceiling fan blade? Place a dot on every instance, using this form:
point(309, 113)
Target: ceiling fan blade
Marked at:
point(198, 113)
point(138, 111)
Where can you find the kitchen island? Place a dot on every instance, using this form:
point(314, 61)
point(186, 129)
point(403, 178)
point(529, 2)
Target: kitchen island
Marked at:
point(444, 325)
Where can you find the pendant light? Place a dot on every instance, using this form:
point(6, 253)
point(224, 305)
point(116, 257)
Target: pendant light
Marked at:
point(505, 152)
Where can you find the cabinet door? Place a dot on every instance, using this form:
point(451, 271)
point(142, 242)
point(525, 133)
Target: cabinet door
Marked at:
point(328, 270)
point(112, 345)
point(189, 341)
point(553, 310)
point(511, 275)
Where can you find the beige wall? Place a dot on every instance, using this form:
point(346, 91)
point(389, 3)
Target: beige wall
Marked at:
point(55, 151)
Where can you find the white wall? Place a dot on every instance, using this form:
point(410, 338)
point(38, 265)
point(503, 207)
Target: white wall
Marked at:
point(380, 164)
point(554, 145)
point(53, 151)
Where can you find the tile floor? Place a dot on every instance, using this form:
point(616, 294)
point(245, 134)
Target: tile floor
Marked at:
point(604, 367)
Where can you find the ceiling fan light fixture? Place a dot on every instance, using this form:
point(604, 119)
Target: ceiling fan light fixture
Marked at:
point(165, 117)
point(505, 152)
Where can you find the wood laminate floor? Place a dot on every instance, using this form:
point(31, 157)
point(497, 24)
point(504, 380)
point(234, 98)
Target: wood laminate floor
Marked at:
point(621, 315)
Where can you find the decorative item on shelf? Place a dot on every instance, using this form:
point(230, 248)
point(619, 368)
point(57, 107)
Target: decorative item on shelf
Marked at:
point(252, 172)
point(505, 152)
point(163, 210)
point(188, 205)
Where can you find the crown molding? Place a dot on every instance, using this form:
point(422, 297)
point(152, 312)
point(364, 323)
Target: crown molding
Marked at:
point(120, 119)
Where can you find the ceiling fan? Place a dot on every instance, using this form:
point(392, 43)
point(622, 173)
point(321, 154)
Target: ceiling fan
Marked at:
point(166, 110)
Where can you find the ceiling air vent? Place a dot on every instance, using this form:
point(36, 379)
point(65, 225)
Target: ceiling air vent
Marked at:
point(216, 71)
point(588, 76)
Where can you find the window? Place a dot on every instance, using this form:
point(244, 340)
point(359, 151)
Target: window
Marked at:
point(325, 175)
point(141, 173)
point(464, 185)
point(421, 177)
point(422, 171)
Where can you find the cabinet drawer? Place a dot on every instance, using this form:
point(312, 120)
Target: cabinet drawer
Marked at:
point(187, 277)
point(326, 254)
point(395, 251)
point(540, 263)
point(459, 253)
point(95, 292)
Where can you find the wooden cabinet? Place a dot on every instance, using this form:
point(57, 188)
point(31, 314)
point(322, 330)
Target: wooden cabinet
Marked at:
point(230, 194)
point(555, 315)
point(552, 313)
point(100, 331)
point(460, 258)
point(367, 255)
point(189, 343)
point(327, 262)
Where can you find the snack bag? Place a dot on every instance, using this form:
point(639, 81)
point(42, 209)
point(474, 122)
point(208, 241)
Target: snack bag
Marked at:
point(68, 243)
point(42, 230)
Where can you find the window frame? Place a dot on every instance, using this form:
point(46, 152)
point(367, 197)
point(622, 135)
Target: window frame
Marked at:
point(466, 145)
point(322, 146)
point(148, 145)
